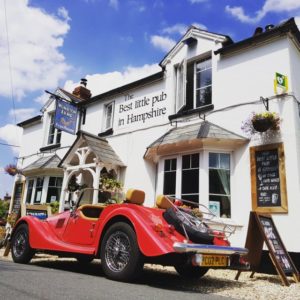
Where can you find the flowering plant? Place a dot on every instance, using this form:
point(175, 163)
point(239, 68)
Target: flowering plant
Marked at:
point(261, 122)
point(12, 170)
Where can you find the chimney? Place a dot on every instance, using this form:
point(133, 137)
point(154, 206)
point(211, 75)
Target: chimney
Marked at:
point(269, 27)
point(257, 31)
point(81, 91)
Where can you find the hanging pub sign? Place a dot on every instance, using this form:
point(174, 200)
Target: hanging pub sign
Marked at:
point(268, 182)
point(66, 116)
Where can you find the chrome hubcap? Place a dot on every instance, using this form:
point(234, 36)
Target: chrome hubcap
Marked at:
point(19, 245)
point(117, 251)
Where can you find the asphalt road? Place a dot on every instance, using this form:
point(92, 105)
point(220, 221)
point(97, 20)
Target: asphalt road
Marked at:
point(68, 280)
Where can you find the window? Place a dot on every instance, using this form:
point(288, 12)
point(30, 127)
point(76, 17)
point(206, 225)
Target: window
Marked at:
point(170, 167)
point(38, 189)
point(193, 84)
point(54, 189)
point(29, 190)
point(190, 178)
point(219, 184)
point(54, 133)
point(108, 116)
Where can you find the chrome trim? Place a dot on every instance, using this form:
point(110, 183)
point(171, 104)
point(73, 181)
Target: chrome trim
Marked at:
point(209, 249)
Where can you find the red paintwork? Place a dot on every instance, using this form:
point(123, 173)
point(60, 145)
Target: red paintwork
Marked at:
point(66, 233)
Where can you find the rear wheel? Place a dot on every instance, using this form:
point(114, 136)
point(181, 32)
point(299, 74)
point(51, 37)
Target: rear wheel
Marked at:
point(21, 251)
point(190, 271)
point(121, 258)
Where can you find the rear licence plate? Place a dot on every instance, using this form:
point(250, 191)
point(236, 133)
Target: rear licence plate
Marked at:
point(214, 261)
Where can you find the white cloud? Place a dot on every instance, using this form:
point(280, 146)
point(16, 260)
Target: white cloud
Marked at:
point(100, 83)
point(162, 42)
point(114, 4)
point(177, 28)
point(23, 114)
point(269, 6)
point(181, 29)
point(35, 38)
point(42, 99)
point(12, 135)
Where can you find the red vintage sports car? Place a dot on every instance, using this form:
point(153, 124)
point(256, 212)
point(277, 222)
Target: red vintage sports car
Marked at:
point(125, 236)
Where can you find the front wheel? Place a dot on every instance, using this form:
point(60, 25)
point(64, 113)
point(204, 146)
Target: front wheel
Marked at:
point(190, 271)
point(21, 251)
point(120, 255)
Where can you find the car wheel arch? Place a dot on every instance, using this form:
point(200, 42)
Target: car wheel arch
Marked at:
point(112, 221)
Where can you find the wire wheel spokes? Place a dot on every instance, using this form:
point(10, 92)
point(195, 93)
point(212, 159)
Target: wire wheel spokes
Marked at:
point(20, 243)
point(117, 251)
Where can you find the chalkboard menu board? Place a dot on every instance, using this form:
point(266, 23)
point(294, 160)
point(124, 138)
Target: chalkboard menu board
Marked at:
point(17, 197)
point(268, 181)
point(276, 244)
point(267, 178)
point(262, 229)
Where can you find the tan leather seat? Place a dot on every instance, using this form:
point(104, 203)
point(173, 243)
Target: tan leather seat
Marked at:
point(135, 196)
point(164, 202)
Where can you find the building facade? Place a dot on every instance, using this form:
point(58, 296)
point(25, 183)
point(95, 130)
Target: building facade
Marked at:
point(179, 132)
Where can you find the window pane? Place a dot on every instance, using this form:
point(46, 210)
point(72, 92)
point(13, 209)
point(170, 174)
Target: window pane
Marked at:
point(203, 96)
point(169, 183)
point(204, 78)
point(167, 165)
point(186, 159)
point(202, 65)
point(53, 194)
point(213, 160)
point(174, 164)
point(219, 181)
point(59, 181)
point(190, 181)
point(58, 136)
point(29, 190)
point(224, 161)
point(195, 160)
point(52, 181)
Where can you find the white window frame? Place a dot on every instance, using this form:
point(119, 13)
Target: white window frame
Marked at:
point(51, 121)
point(106, 126)
point(180, 85)
point(195, 80)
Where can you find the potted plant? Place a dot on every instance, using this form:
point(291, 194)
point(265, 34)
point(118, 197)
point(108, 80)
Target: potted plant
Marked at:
point(261, 122)
point(110, 189)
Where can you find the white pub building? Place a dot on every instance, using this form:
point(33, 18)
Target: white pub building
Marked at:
point(185, 131)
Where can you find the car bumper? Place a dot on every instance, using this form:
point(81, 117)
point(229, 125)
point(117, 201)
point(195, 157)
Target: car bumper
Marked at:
point(209, 249)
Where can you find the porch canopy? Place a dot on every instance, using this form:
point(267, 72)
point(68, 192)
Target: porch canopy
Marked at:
point(192, 137)
point(88, 155)
point(45, 164)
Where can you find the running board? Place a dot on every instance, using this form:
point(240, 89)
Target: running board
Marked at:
point(209, 249)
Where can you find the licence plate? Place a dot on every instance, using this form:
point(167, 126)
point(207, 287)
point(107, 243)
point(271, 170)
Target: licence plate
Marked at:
point(213, 261)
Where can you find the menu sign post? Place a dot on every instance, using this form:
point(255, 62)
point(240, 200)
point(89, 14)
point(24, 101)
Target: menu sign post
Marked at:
point(262, 230)
point(268, 180)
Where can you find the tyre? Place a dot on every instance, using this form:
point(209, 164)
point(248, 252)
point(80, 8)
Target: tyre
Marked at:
point(84, 259)
point(190, 271)
point(120, 255)
point(197, 231)
point(21, 251)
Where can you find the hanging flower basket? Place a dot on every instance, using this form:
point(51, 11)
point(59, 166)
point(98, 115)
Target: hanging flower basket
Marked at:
point(12, 170)
point(261, 122)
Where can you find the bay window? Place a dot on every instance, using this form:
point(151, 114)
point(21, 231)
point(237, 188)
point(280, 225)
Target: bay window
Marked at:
point(183, 177)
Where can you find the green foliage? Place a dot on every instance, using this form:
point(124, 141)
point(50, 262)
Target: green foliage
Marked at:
point(4, 206)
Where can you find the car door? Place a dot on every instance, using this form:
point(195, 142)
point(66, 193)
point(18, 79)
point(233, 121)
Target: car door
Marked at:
point(82, 225)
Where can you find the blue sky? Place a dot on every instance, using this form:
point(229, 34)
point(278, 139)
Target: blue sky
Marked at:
point(45, 44)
